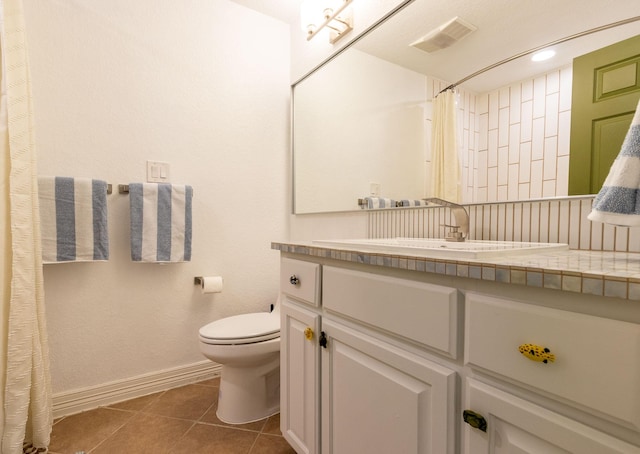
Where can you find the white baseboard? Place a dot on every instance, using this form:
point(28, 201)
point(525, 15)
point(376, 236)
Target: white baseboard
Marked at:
point(70, 402)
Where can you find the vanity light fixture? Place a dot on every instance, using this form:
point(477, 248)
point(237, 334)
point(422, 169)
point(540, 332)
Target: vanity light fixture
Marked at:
point(543, 55)
point(332, 14)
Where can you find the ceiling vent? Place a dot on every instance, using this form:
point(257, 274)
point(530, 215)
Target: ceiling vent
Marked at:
point(445, 35)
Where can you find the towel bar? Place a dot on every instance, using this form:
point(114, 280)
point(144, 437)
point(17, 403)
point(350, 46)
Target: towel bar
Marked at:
point(109, 188)
point(123, 189)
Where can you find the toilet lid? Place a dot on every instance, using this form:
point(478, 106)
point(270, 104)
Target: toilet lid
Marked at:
point(242, 329)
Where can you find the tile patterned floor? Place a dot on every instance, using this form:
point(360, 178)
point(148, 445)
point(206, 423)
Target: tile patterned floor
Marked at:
point(178, 421)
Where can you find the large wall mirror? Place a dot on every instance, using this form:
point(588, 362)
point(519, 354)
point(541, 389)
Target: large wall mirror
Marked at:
point(361, 120)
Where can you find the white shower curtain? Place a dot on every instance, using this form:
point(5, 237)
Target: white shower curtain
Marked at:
point(27, 412)
point(445, 169)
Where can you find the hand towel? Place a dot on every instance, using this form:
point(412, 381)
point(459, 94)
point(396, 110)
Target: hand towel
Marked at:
point(73, 218)
point(618, 202)
point(409, 203)
point(379, 202)
point(161, 227)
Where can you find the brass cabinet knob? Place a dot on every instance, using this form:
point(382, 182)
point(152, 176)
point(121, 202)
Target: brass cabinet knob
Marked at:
point(308, 333)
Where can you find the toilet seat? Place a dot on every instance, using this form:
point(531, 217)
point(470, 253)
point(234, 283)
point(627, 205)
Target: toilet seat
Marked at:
point(242, 329)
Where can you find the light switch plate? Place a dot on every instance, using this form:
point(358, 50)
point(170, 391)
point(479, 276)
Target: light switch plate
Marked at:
point(157, 172)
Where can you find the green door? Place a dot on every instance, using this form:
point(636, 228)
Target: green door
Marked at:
point(606, 89)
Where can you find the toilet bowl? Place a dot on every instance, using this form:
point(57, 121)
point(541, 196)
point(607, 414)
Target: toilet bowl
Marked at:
point(248, 348)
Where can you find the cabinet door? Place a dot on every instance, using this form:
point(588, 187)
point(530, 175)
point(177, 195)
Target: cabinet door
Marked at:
point(300, 377)
point(514, 425)
point(377, 398)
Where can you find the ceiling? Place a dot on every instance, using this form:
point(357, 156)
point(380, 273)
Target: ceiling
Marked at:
point(504, 28)
point(284, 10)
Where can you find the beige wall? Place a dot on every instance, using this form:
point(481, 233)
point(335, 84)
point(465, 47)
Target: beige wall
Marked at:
point(343, 157)
point(203, 85)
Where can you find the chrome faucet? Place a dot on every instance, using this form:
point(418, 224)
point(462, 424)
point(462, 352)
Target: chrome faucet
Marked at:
point(458, 232)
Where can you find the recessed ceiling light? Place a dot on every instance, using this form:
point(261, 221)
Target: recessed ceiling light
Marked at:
point(543, 55)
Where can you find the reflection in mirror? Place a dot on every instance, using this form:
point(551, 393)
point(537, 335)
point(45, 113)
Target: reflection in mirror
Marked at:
point(362, 120)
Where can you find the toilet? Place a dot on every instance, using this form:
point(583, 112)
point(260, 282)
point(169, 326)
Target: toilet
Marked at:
point(248, 348)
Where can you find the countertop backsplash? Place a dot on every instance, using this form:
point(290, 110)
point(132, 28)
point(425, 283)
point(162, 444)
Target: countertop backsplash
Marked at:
point(558, 220)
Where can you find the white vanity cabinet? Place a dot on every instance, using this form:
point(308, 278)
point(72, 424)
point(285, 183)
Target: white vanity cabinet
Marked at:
point(376, 396)
point(386, 361)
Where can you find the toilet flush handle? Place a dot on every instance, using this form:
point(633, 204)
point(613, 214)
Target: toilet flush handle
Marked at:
point(294, 280)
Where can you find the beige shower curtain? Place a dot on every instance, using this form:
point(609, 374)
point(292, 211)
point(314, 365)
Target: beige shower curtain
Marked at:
point(445, 168)
point(26, 390)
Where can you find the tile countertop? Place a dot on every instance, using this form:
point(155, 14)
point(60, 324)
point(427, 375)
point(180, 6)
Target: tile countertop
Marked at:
point(601, 273)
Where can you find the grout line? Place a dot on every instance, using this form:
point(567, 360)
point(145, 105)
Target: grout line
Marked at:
point(177, 440)
point(227, 426)
point(112, 434)
point(253, 445)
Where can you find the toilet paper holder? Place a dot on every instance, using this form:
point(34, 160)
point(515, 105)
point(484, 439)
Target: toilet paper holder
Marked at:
point(209, 284)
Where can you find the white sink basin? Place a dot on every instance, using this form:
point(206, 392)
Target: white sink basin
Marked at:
point(432, 247)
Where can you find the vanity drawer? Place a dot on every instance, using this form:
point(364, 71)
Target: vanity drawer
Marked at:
point(423, 313)
point(596, 360)
point(300, 280)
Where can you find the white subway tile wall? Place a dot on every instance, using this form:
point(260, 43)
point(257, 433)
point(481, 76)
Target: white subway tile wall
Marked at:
point(561, 220)
point(513, 142)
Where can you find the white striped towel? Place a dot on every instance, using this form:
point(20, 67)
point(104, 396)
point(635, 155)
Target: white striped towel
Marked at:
point(379, 202)
point(618, 202)
point(73, 219)
point(409, 203)
point(161, 227)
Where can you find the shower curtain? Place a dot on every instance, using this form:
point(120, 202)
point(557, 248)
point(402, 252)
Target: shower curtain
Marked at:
point(445, 170)
point(25, 377)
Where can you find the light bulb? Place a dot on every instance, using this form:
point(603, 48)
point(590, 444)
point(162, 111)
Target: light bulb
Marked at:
point(310, 15)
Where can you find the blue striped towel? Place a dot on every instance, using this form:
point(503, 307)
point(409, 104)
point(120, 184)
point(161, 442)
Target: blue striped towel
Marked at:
point(379, 202)
point(73, 219)
point(160, 222)
point(618, 202)
point(409, 203)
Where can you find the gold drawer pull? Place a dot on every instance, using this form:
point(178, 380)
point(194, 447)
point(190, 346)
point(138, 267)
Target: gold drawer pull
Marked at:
point(537, 353)
point(308, 333)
